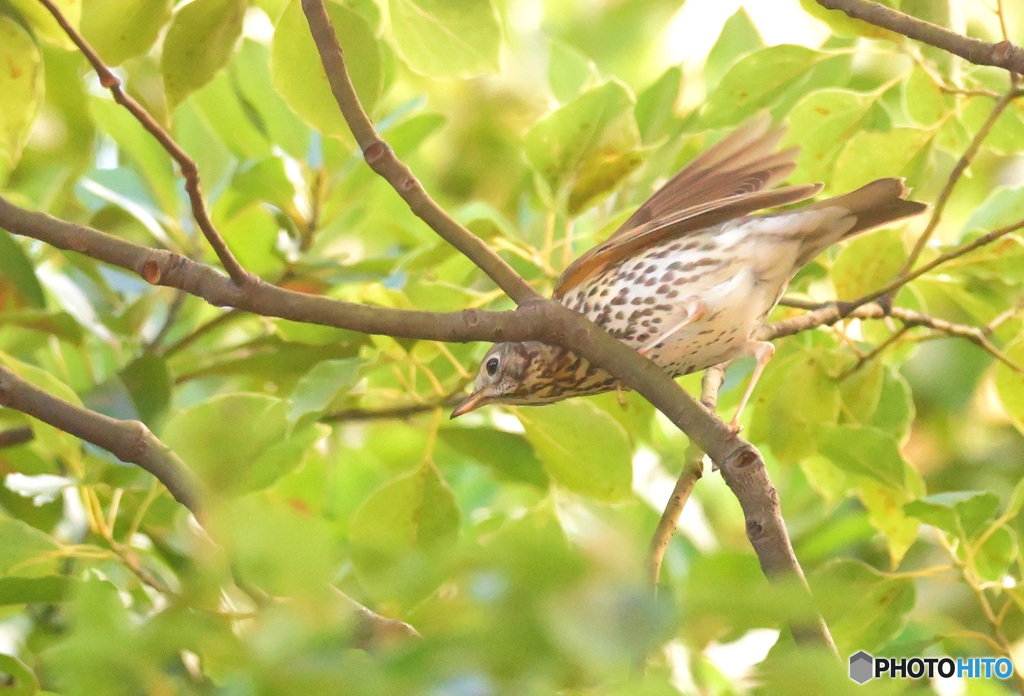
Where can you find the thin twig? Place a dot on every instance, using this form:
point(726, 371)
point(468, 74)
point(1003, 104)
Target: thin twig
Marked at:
point(15, 437)
point(186, 164)
point(692, 471)
point(392, 412)
point(954, 177)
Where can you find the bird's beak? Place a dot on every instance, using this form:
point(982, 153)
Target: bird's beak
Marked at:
point(471, 402)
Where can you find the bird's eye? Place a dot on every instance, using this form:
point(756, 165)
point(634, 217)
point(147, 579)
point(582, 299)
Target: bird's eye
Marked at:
point(491, 366)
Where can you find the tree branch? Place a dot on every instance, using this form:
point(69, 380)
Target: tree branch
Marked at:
point(692, 472)
point(1003, 54)
point(128, 440)
point(958, 170)
point(381, 158)
point(185, 163)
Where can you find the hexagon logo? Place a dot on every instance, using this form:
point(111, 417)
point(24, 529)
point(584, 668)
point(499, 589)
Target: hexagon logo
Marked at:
point(861, 667)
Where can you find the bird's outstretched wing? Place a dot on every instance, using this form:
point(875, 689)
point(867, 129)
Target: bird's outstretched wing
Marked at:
point(729, 180)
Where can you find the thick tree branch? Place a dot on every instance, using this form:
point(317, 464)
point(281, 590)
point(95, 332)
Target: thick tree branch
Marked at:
point(185, 163)
point(129, 441)
point(382, 159)
point(1004, 54)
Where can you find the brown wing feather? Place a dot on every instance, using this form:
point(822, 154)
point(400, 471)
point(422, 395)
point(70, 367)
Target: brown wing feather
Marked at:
point(724, 182)
point(742, 161)
point(677, 225)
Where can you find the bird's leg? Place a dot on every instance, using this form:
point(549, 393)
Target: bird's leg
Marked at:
point(763, 352)
point(695, 311)
point(620, 392)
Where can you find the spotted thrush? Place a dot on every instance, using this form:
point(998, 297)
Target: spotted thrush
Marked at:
point(692, 275)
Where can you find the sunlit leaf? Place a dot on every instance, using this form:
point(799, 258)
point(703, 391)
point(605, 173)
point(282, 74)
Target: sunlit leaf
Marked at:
point(319, 387)
point(862, 607)
point(250, 454)
point(17, 270)
point(399, 529)
point(869, 155)
point(756, 81)
point(21, 84)
point(199, 42)
point(41, 21)
point(587, 146)
point(122, 29)
point(562, 436)
point(440, 39)
point(867, 263)
point(867, 452)
point(299, 76)
point(957, 512)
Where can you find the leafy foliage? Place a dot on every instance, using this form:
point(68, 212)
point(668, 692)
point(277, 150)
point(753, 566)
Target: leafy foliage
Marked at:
point(514, 541)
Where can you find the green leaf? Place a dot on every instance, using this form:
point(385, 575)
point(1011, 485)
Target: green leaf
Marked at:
point(795, 397)
point(25, 681)
point(887, 515)
point(150, 384)
point(562, 436)
point(123, 29)
point(23, 547)
point(47, 589)
point(43, 23)
point(569, 71)
point(842, 24)
point(895, 411)
point(142, 149)
point(21, 84)
point(926, 103)
point(862, 607)
point(588, 146)
point(869, 155)
point(1016, 502)
point(820, 125)
point(1003, 206)
point(17, 270)
point(508, 455)
point(278, 546)
point(993, 558)
point(757, 81)
point(1008, 130)
point(251, 72)
point(862, 391)
point(198, 44)
point(398, 532)
point(238, 442)
point(228, 116)
point(315, 392)
point(1010, 385)
point(655, 107)
point(739, 38)
point(444, 39)
point(957, 512)
point(867, 452)
point(867, 263)
point(299, 76)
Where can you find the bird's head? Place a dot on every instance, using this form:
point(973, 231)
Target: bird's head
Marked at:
point(507, 375)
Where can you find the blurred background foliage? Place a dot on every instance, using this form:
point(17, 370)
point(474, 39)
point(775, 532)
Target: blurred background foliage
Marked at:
point(514, 539)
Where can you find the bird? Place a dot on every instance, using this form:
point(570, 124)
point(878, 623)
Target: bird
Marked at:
point(691, 276)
